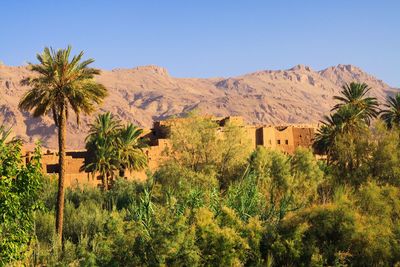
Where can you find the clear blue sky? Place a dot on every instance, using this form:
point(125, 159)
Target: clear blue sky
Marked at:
point(208, 38)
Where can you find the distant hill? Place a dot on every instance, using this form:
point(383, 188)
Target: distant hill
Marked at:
point(144, 94)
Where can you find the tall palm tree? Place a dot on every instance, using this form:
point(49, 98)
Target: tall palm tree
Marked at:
point(58, 85)
point(130, 149)
point(101, 147)
point(391, 115)
point(355, 95)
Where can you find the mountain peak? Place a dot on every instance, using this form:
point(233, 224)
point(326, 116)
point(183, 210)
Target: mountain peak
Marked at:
point(153, 69)
point(344, 67)
point(344, 73)
point(150, 69)
point(301, 67)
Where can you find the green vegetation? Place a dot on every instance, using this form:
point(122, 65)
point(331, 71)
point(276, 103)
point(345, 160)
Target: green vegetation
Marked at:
point(280, 211)
point(61, 84)
point(391, 115)
point(213, 202)
point(113, 147)
point(19, 193)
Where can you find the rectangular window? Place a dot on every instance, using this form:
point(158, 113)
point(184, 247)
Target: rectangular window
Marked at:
point(270, 142)
point(286, 142)
point(278, 142)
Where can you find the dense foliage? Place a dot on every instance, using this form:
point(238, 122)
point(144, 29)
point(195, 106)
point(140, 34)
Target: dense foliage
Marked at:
point(113, 147)
point(214, 203)
point(19, 192)
point(283, 211)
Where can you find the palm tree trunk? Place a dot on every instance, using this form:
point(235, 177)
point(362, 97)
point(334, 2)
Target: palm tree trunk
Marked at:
point(105, 181)
point(61, 157)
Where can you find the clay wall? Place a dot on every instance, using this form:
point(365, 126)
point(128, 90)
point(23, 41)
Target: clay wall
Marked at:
point(268, 137)
point(303, 136)
point(283, 138)
point(251, 134)
point(286, 138)
point(74, 161)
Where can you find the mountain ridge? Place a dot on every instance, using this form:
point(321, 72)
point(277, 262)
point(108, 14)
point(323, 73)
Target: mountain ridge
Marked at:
point(146, 93)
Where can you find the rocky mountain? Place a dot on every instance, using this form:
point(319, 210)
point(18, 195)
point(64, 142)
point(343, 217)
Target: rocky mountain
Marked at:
point(144, 94)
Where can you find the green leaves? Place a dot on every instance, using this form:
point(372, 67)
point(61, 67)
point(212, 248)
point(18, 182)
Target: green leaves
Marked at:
point(61, 81)
point(354, 95)
point(113, 147)
point(19, 191)
point(353, 115)
point(391, 115)
point(197, 143)
point(287, 183)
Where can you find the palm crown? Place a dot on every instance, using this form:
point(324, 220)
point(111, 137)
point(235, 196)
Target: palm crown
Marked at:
point(355, 95)
point(391, 115)
point(352, 115)
point(346, 120)
point(130, 151)
point(113, 147)
point(61, 84)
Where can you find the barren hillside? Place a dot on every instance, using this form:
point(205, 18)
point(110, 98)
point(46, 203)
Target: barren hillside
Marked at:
point(144, 94)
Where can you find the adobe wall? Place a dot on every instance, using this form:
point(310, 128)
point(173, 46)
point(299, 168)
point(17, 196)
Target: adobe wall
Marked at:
point(303, 136)
point(277, 139)
point(287, 138)
point(283, 138)
point(251, 134)
point(73, 176)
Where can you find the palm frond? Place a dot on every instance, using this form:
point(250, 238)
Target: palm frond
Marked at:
point(62, 82)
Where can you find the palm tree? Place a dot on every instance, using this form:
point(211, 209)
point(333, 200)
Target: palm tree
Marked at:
point(347, 119)
point(354, 94)
point(112, 147)
point(106, 125)
point(103, 160)
point(61, 84)
point(391, 115)
point(100, 144)
point(130, 149)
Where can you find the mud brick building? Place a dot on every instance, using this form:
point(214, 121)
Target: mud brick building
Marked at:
point(285, 138)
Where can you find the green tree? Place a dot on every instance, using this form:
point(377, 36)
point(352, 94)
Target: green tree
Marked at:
point(384, 162)
point(199, 143)
point(130, 149)
point(346, 126)
point(61, 84)
point(346, 120)
point(195, 143)
point(355, 95)
point(351, 157)
point(391, 115)
point(101, 147)
point(19, 190)
point(354, 229)
point(113, 147)
point(288, 184)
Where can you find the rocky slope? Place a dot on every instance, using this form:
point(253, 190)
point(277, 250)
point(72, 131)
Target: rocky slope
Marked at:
point(144, 94)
